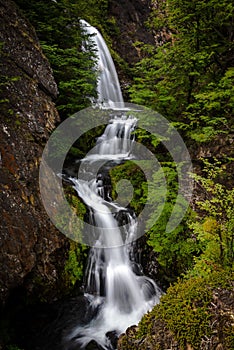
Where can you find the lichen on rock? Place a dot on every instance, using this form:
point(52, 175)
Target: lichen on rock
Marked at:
point(31, 249)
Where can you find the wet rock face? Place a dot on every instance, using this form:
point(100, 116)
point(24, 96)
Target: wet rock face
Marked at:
point(21, 44)
point(130, 17)
point(31, 250)
point(130, 20)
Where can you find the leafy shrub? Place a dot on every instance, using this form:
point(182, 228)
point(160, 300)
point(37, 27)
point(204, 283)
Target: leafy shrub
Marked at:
point(176, 249)
point(214, 229)
point(61, 36)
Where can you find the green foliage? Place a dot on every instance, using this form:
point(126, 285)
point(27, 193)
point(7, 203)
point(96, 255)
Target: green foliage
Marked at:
point(58, 28)
point(77, 254)
point(158, 190)
point(74, 267)
point(185, 309)
point(189, 78)
point(61, 37)
point(131, 172)
point(77, 205)
point(210, 113)
point(175, 249)
point(86, 142)
point(215, 230)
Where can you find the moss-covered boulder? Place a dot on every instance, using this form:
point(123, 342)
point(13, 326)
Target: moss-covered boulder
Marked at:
point(194, 314)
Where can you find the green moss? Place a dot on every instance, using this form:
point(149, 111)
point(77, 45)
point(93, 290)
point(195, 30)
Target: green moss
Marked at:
point(130, 171)
point(185, 309)
point(18, 123)
point(74, 266)
point(76, 204)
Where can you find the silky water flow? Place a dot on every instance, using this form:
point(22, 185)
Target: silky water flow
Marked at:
point(117, 291)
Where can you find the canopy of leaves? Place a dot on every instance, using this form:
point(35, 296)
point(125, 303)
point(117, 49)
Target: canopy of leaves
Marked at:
point(215, 230)
point(189, 78)
point(58, 28)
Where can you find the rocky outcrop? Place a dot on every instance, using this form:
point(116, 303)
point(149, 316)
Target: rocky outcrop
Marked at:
point(131, 17)
point(129, 27)
point(31, 249)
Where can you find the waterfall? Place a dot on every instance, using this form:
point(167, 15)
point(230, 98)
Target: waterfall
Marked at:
point(118, 293)
point(108, 87)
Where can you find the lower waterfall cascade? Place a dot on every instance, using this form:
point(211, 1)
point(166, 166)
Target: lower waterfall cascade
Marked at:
point(117, 291)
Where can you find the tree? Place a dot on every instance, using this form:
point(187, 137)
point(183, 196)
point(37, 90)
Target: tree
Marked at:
point(215, 230)
point(61, 37)
point(189, 79)
point(196, 58)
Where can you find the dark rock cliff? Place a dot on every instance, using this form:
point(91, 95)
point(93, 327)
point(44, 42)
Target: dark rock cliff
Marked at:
point(31, 249)
point(131, 17)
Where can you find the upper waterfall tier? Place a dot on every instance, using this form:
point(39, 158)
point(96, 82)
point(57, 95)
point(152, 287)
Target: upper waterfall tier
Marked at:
point(108, 87)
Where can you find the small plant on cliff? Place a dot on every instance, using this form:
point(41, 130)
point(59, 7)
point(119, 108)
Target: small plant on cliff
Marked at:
point(74, 267)
point(215, 230)
point(6, 82)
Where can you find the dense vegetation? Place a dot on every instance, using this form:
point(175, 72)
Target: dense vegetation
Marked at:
point(188, 317)
point(57, 24)
point(188, 78)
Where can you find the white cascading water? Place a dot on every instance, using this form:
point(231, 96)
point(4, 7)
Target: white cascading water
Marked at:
point(119, 294)
point(108, 87)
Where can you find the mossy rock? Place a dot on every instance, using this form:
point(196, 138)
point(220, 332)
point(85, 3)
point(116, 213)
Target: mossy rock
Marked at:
point(194, 313)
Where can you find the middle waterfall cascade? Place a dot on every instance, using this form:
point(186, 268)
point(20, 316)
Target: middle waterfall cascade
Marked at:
point(121, 294)
point(117, 291)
